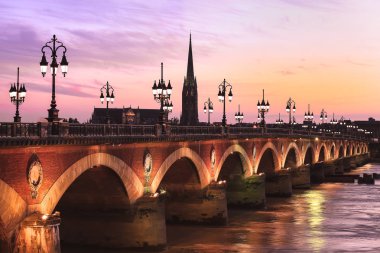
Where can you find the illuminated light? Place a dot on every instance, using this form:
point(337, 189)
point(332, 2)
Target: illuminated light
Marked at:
point(45, 217)
point(155, 195)
point(316, 138)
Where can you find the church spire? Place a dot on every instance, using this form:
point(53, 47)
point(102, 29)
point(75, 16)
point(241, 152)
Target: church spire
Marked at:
point(190, 67)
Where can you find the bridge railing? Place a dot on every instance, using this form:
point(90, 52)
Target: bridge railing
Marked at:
point(10, 129)
point(195, 130)
point(56, 130)
point(237, 130)
point(110, 130)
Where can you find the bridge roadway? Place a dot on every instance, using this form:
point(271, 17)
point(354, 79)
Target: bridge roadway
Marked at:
point(118, 185)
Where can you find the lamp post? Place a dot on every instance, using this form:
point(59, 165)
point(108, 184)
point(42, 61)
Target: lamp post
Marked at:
point(109, 97)
point(308, 118)
point(262, 108)
point(279, 121)
point(17, 94)
point(239, 116)
point(209, 108)
point(323, 116)
point(161, 94)
point(53, 45)
point(333, 121)
point(222, 97)
point(291, 103)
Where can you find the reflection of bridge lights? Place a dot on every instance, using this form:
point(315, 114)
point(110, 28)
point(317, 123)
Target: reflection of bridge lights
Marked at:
point(315, 200)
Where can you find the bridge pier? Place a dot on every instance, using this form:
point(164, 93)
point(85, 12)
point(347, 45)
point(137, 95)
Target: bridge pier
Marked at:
point(348, 164)
point(300, 177)
point(39, 233)
point(279, 184)
point(329, 168)
point(142, 227)
point(317, 173)
point(339, 166)
point(208, 206)
point(246, 192)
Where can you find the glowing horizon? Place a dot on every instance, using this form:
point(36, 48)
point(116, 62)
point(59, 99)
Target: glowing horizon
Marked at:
point(323, 53)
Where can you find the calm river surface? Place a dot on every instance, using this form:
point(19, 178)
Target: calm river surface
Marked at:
point(327, 218)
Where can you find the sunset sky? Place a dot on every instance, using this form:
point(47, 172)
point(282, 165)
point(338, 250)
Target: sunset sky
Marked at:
point(326, 53)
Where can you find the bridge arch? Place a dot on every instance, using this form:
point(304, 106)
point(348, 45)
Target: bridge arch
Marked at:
point(13, 208)
point(341, 151)
point(268, 156)
point(348, 150)
point(322, 153)
point(130, 180)
point(332, 151)
point(204, 175)
point(244, 158)
point(292, 156)
point(357, 150)
point(309, 157)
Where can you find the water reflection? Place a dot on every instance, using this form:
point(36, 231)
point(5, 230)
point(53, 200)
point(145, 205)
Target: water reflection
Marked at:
point(315, 201)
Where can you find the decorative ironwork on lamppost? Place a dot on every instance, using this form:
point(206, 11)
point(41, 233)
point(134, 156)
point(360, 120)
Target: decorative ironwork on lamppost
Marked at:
point(161, 94)
point(262, 108)
point(323, 116)
point(109, 97)
point(239, 116)
point(17, 93)
point(53, 45)
point(208, 108)
point(291, 107)
point(222, 97)
point(279, 121)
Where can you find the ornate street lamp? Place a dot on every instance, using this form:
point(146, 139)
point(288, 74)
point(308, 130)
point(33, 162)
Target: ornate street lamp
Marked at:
point(109, 97)
point(239, 116)
point(262, 108)
point(53, 45)
point(308, 118)
point(333, 121)
point(279, 121)
point(323, 116)
point(222, 97)
point(291, 103)
point(208, 108)
point(161, 94)
point(17, 93)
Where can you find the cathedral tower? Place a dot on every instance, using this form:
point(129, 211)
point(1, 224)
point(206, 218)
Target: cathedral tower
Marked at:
point(189, 114)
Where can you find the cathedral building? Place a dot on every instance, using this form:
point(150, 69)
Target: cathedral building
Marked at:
point(189, 114)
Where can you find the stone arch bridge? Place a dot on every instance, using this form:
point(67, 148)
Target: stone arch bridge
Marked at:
point(93, 174)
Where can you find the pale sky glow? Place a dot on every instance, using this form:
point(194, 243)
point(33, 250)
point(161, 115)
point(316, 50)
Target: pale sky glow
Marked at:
point(326, 53)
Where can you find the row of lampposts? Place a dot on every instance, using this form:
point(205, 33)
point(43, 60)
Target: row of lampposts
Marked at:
point(161, 94)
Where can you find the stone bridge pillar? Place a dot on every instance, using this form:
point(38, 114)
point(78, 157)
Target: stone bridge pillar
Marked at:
point(209, 206)
point(279, 184)
point(39, 233)
point(246, 192)
point(317, 173)
point(300, 177)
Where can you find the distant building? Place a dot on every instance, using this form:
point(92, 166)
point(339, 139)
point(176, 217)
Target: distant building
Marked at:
point(189, 115)
point(129, 115)
point(371, 125)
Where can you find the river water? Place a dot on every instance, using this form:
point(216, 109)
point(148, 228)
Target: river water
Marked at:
point(331, 217)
